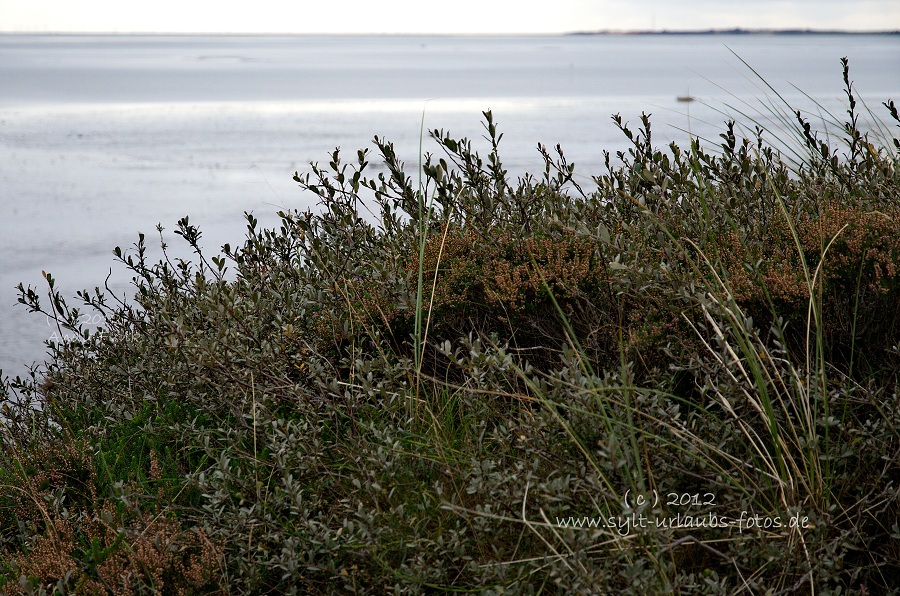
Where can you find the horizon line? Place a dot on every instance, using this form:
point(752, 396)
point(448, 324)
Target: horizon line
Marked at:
point(706, 31)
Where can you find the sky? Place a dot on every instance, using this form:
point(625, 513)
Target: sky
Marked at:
point(458, 16)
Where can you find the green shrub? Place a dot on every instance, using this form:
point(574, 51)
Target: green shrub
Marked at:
point(419, 403)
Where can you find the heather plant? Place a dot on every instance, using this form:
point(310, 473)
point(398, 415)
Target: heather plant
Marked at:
point(683, 378)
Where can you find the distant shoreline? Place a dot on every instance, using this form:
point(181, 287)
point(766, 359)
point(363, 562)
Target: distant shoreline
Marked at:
point(735, 31)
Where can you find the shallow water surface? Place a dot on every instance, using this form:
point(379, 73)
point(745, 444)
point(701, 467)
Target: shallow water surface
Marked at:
point(102, 137)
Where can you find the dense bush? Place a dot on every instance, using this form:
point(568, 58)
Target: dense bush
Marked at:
point(421, 399)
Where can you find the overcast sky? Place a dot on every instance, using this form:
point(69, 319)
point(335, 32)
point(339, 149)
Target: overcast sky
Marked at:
point(456, 16)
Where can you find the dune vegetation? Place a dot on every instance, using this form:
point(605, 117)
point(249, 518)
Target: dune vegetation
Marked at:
point(681, 377)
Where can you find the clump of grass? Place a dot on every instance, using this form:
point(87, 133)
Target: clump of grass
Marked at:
point(494, 385)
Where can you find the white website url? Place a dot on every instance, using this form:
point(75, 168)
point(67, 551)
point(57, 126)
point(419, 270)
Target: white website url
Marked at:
point(624, 525)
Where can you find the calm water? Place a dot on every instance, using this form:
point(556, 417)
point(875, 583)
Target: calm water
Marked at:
point(103, 136)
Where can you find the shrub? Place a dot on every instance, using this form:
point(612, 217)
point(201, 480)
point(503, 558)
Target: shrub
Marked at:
point(438, 398)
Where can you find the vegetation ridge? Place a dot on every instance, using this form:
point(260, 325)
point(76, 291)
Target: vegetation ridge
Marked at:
point(682, 377)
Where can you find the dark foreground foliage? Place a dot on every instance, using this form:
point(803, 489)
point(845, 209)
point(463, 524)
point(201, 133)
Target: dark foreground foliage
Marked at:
point(429, 396)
